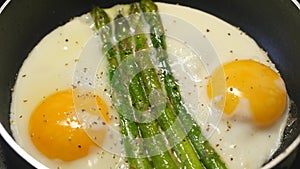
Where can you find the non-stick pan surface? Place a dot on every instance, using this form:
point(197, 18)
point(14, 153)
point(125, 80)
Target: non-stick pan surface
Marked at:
point(274, 24)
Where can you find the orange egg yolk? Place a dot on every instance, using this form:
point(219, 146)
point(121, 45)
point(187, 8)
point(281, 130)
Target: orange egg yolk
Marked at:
point(262, 87)
point(56, 131)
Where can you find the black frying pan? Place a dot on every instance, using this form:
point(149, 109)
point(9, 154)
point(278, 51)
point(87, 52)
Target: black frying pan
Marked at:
point(273, 24)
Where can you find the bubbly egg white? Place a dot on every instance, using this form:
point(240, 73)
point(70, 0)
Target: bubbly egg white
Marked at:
point(57, 63)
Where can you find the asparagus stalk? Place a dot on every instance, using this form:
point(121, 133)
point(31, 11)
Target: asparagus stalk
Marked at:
point(167, 119)
point(206, 152)
point(149, 130)
point(128, 128)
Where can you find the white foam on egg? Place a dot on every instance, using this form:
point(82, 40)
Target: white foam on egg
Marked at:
point(242, 112)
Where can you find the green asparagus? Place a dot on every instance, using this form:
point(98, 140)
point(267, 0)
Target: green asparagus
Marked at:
point(207, 154)
point(149, 130)
point(175, 134)
point(128, 128)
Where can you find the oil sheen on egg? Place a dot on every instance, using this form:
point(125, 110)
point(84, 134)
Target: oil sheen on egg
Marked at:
point(67, 66)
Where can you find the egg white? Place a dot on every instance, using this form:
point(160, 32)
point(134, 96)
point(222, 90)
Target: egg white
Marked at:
point(60, 59)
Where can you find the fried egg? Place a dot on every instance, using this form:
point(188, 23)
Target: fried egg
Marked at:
point(52, 86)
point(238, 128)
point(62, 113)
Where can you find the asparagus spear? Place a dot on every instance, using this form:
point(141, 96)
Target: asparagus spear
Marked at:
point(206, 152)
point(149, 130)
point(128, 128)
point(167, 120)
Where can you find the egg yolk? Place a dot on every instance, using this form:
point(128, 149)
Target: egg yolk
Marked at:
point(249, 80)
point(56, 131)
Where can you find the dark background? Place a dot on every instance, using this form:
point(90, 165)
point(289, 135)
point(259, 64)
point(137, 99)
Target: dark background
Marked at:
point(10, 160)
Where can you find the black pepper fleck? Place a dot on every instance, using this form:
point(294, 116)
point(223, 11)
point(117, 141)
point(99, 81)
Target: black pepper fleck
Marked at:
point(208, 128)
point(228, 125)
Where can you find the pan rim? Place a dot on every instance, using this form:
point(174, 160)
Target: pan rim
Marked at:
point(283, 155)
point(3, 6)
point(18, 149)
point(296, 3)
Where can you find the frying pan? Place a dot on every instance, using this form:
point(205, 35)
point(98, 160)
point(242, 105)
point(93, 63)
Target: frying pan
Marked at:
point(274, 24)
